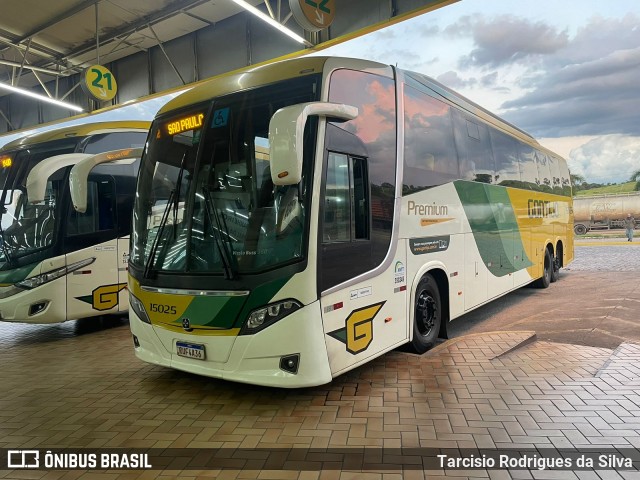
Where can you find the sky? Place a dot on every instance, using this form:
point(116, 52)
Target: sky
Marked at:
point(566, 71)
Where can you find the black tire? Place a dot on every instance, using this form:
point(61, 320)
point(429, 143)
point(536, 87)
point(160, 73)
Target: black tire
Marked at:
point(545, 280)
point(427, 315)
point(555, 270)
point(580, 229)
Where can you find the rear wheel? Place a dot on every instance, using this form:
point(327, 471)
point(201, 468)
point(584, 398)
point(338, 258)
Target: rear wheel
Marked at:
point(548, 269)
point(428, 315)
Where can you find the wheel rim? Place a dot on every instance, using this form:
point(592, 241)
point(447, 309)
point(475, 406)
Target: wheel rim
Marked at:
point(426, 313)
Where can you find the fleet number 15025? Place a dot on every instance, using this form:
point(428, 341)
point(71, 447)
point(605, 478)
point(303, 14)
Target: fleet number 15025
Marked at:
point(168, 309)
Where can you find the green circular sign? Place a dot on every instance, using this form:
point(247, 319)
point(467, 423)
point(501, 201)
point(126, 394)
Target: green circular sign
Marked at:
point(313, 15)
point(99, 83)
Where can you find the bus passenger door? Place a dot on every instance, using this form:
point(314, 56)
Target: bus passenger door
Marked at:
point(367, 317)
point(94, 289)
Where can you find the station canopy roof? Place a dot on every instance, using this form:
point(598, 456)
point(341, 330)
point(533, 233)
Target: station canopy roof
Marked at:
point(59, 37)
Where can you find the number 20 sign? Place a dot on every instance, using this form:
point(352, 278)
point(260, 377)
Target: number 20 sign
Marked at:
point(99, 83)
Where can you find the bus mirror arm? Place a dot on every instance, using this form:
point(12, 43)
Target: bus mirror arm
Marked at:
point(286, 131)
point(80, 173)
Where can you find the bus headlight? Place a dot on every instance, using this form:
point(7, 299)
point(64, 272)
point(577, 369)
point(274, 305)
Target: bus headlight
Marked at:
point(38, 280)
point(261, 318)
point(138, 307)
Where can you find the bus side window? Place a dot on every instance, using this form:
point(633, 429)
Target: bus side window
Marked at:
point(337, 216)
point(556, 175)
point(505, 152)
point(115, 141)
point(100, 213)
point(474, 149)
point(544, 172)
point(346, 199)
point(360, 199)
point(565, 177)
point(529, 167)
point(430, 157)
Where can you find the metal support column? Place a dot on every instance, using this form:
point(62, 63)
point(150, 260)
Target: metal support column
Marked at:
point(11, 127)
point(166, 55)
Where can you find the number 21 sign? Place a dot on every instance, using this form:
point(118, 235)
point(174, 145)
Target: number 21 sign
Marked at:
point(99, 83)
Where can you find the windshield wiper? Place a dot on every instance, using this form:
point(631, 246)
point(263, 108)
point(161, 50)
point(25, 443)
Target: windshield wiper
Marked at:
point(176, 200)
point(224, 247)
point(173, 201)
point(156, 241)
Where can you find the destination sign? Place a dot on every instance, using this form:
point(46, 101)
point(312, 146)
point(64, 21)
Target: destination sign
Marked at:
point(184, 124)
point(6, 162)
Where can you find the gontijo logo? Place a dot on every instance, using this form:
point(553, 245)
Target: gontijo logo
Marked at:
point(357, 333)
point(542, 209)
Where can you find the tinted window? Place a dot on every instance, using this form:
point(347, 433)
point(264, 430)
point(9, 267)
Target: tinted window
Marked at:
point(474, 148)
point(554, 170)
point(346, 199)
point(505, 152)
point(429, 150)
point(337, 200)
point(100, 213)
point(565, 178)
point(529, 167)
point(114, 141)
point(544, 172)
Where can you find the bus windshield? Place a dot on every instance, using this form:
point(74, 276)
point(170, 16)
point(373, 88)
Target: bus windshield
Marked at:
point(206, 202)
point(27, 228)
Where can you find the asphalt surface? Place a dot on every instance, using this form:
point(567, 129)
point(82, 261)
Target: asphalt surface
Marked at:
point(596, 301)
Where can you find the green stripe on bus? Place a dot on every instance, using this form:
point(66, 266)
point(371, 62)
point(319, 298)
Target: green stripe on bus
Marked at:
point(494, 226)
point(15, 275)
point(229, 312)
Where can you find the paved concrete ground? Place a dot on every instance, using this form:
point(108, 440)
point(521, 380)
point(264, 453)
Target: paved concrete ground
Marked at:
point(596, 302)
point(78, 386)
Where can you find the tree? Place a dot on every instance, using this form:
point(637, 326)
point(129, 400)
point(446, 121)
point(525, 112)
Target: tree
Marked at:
point(577, 180)
point(635, 177)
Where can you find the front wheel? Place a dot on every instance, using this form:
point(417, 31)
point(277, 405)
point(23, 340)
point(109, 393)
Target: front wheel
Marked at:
point(548, 269)
point(428, 315)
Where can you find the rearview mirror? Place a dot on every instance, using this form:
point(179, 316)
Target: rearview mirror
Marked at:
point(286, 130)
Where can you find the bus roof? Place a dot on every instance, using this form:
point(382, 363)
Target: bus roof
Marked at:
point(261, 75)
point(285, 69)
point(74, 131)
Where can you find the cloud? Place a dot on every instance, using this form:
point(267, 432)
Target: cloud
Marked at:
point(452, 80)
point(585, 84)
point(605, 159)
point(595, 97)
point(506, 39)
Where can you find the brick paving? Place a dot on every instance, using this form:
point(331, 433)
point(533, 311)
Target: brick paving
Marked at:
point(598, 255)
point(75, 386)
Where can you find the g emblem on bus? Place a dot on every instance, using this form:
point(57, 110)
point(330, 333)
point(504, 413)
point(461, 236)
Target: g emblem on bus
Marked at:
point(186, 324)
point(106, 297)
point(357, 333)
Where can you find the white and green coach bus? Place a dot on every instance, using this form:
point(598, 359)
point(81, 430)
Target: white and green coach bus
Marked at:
point(296, 220)
point(62, 259)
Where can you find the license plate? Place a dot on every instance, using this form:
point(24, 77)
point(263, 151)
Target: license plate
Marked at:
point(190, 350)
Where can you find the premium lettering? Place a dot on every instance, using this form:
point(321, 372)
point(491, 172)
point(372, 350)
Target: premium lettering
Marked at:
point(421, 209)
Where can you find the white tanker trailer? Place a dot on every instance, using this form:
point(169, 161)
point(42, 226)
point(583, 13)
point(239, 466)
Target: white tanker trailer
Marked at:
point(606, 211)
